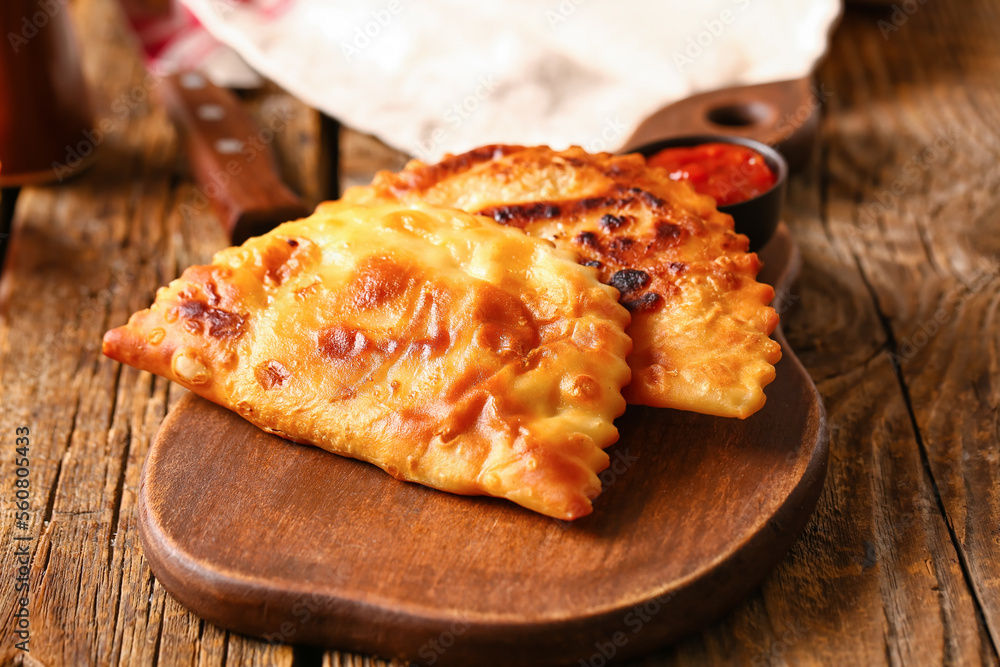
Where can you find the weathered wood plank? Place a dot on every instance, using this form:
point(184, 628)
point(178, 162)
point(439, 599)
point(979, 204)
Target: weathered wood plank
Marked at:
point(85, 255)
point(881, 576)
point(927, 238)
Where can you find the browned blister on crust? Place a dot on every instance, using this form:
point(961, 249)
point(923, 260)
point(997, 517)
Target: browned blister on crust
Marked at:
point(440, 346)
point(700, 320)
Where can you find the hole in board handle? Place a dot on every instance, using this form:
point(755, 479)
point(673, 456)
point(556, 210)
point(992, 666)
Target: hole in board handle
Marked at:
point(739, 115)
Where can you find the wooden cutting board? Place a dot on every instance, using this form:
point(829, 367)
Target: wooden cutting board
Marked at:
point(293, 544)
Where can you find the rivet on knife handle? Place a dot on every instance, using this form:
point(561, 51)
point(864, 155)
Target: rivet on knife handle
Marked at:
point(234, 169)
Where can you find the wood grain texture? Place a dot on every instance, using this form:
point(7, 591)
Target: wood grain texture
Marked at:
point(926, 239)
point(83, 255)
point(899, 564)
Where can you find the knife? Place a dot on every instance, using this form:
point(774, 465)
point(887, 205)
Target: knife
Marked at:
point(233, 165)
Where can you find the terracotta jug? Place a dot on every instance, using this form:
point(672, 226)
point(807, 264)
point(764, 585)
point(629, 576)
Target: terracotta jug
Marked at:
point(46, 131)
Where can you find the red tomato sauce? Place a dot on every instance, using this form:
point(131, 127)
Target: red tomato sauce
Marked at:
point(729, 173)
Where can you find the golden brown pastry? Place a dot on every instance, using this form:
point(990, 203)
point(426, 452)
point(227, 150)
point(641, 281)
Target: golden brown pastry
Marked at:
point(700, 320)
point(438, 345)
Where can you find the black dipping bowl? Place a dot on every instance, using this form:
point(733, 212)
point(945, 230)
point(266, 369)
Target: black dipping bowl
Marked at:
point(757, 218)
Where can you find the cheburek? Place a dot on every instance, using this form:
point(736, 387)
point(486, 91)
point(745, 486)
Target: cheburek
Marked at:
point(438, 345)
point(700, 320)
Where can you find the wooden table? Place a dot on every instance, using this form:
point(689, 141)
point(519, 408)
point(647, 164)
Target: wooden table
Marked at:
point(896, 316)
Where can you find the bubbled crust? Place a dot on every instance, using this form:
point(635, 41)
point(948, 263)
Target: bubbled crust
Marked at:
point(437, 345)
point(700, 320)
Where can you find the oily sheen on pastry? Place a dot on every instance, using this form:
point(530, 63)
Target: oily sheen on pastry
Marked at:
point(700, 320)
point(440, 346)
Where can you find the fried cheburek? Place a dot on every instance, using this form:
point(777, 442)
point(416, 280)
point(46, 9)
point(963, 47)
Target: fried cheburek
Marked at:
point(438, 345)
point(700, 320)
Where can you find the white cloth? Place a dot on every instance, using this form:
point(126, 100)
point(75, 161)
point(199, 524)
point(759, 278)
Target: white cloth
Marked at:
point(436, 76)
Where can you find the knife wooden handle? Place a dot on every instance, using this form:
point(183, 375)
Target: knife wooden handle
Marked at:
point(230, 157)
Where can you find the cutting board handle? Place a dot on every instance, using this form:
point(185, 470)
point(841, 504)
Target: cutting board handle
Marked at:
point(784, 114)
point(231, 158)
